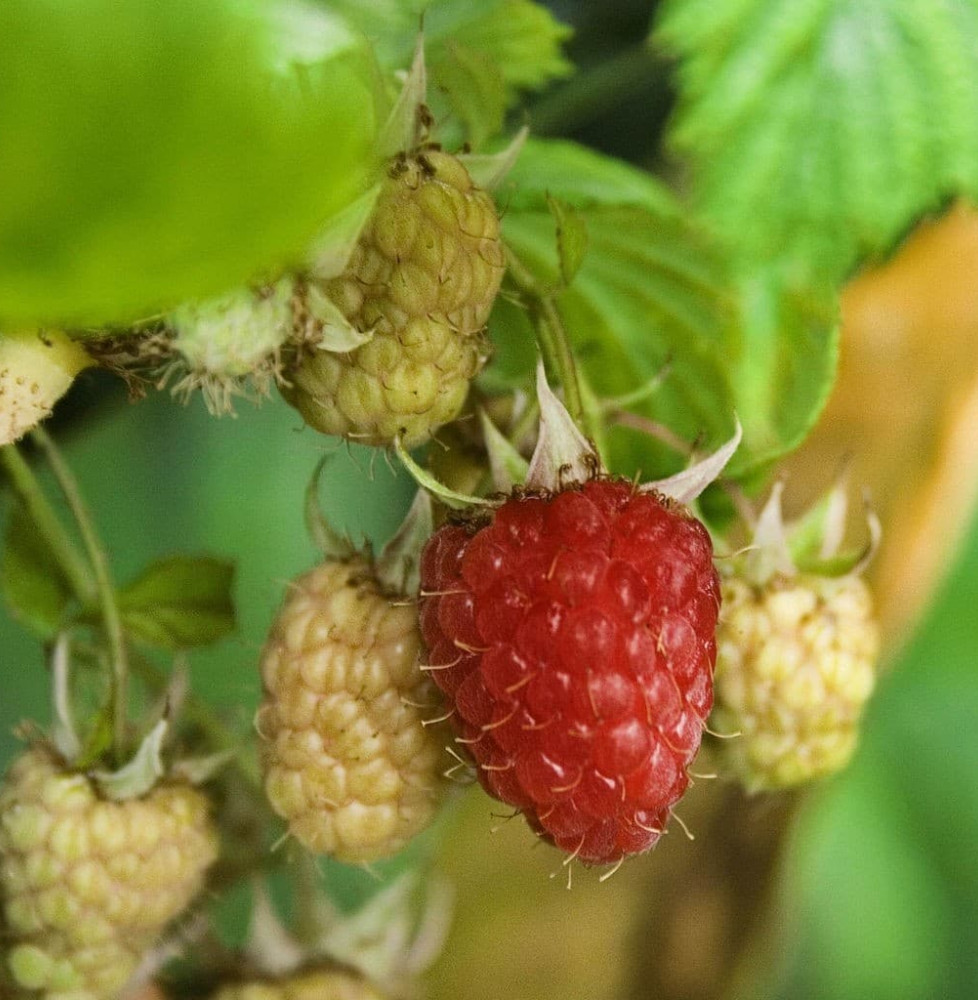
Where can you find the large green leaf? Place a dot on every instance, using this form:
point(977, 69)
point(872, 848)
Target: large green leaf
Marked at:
point(650, 291)
point(155, 151)
point(821, 130)
point(882, 893)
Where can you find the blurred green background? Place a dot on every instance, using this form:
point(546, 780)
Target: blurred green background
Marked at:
point(877, 891)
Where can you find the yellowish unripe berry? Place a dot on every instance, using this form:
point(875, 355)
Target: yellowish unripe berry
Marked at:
point(422, 278)
point(348, 760)
point(87, 885)
point(796, 664)
point(313, 984)
point(36, 370)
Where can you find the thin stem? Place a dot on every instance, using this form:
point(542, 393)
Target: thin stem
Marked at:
point(42, 514)
point(551, 336)
point(103, 581)
point(654, 430)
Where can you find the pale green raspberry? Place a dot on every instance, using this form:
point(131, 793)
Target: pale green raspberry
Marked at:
point(87, 885)
point(349, 762)
point(796, 664)
point(36, 370)
point(229, 346)
point(422, 279)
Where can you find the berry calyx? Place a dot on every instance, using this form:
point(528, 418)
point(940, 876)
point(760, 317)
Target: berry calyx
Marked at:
point(573, 635)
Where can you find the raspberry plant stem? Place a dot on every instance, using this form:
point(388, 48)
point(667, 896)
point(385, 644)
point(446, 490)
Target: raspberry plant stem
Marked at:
point(42, 515)
point(103, 584)
point(552, 338)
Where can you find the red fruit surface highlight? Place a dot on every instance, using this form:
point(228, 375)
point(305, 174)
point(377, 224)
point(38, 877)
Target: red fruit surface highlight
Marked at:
point(574, 636)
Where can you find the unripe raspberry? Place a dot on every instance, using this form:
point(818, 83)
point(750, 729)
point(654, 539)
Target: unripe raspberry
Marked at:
point(231, 335)
point(313, 984)
point(423, 278)
point(36, 370)
point(795, 665)
point(229, 345)
point(348, 760)
point(88, 885)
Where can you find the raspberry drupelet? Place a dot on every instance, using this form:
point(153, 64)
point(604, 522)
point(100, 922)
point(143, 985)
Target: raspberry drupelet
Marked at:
point(574, 636)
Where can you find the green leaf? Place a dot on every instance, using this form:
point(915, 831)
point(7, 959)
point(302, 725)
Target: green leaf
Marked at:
point(571, 238)
point(180, 602)
point(821, 130)
point(34, 586)
point(474, 89)
point(782, 353)
point(650, 291)
point(154, 152)
point(520, 38)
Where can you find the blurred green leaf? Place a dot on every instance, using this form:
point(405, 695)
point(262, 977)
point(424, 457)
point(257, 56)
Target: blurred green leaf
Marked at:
point(180, 602)
point(651, 291)
point(34, 585)
point(474, 89)
point(882, 888)
point(821, 130)
point(873, 904)
point(521, 39)
point(158, 151)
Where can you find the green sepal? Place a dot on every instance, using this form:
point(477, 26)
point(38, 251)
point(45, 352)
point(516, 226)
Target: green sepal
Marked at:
point(398, 567)
point(141, 773)
point(508, 466)
point(449, 497)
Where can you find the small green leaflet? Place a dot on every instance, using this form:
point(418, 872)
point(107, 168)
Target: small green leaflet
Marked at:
point(479, 55)
point(571, 238)
point(180, 602)
point(34, 586)
point(821, 130)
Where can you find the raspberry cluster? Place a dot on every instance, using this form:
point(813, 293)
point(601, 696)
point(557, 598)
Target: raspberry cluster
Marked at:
point(574, 637)
point(423, 278)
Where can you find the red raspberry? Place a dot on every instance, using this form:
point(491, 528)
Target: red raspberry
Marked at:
point(573, 635)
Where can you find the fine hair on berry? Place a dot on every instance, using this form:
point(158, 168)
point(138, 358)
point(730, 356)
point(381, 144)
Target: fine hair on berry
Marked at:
point(574, 637)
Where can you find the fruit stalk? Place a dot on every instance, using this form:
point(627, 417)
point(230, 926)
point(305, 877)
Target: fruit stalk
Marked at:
point(552, 338)
point(103, 583)
point(27, 488)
